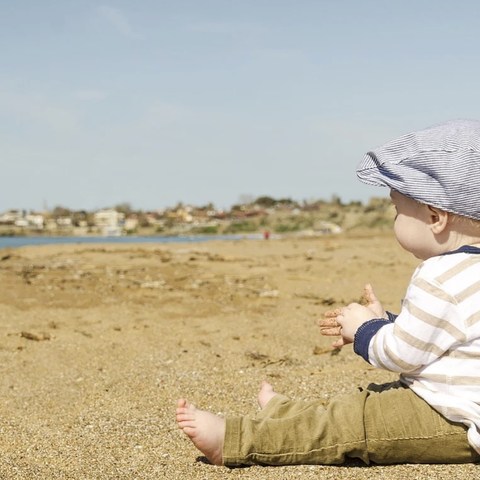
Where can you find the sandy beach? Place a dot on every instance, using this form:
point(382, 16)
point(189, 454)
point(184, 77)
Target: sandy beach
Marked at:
point(98, 342)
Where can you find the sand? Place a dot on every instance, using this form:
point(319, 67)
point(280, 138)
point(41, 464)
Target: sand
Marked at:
point(98, 342)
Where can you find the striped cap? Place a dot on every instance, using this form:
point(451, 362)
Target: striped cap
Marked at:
point(439, 166)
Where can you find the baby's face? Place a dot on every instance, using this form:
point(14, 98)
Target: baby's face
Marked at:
point(412, 226)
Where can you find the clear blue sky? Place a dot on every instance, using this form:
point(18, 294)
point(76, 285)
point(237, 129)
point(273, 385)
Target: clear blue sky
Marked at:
point(153, 102)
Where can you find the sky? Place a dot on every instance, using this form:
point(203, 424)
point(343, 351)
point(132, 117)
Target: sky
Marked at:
point(156, 102)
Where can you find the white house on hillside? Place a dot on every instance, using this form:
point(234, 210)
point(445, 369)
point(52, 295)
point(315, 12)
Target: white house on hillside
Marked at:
point(109, 222)
point(20, 218)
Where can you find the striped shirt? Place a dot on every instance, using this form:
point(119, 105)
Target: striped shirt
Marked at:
point(434, 343)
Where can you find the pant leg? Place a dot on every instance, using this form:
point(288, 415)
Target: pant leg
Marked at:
point(289, 432)
point(388, 424)
point(400, 427)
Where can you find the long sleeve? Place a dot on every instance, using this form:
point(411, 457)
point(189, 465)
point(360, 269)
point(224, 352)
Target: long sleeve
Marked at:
point(428, 325)
point(364, 335)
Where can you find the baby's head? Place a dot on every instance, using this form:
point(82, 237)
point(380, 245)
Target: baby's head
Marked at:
point(437, 168)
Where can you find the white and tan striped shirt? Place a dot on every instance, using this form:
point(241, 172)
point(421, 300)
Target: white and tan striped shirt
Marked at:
point(434, 343)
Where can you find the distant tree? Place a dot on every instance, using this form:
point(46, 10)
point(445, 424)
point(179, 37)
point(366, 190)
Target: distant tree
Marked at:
point(207, 207)
point(124, 208)
point(244, 226)
point(79, 216)
point(378, 204)
point(90, 219)
point(336, 200)
point(59, 211)
point(266, 202)
point(288, 201)
point(143, 220)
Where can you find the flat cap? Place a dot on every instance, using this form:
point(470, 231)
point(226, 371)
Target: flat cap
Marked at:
point(439, 166)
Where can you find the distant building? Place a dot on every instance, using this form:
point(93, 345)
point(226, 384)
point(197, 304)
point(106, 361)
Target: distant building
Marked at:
point(21, 222)
point(35, 220)
point(109, 222)
point(20, 218)
point(10, 217)
point(131, 223)
point(64, 222)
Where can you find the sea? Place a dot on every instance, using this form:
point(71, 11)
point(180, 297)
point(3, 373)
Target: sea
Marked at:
point(13, 242)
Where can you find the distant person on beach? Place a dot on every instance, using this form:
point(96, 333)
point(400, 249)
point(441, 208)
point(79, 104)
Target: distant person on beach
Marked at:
point(432, 413)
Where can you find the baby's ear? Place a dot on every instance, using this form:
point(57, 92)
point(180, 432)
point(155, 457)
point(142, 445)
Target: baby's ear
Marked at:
point(438, 219)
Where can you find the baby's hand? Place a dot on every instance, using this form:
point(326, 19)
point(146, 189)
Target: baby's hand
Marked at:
point(330, 327)
point(350, 319)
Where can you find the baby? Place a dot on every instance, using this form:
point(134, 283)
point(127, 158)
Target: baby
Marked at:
point(432, 413)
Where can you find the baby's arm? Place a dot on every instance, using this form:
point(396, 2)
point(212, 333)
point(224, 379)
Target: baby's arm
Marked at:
point(428, 325)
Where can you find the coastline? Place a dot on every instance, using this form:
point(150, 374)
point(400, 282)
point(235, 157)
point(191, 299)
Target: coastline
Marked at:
point(32, 240)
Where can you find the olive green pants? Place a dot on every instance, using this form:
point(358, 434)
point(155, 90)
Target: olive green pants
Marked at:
point(383, 424)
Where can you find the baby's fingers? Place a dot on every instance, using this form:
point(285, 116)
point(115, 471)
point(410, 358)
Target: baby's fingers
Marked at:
point(330, 331)
point(328, 322)
point(370, 294)
point(339, 343)
point(333, 313)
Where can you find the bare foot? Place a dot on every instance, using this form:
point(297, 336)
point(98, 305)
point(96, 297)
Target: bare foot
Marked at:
point(266, 394)
point(204, 429)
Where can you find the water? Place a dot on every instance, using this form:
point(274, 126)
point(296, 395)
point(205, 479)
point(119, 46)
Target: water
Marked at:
point(12, 242)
